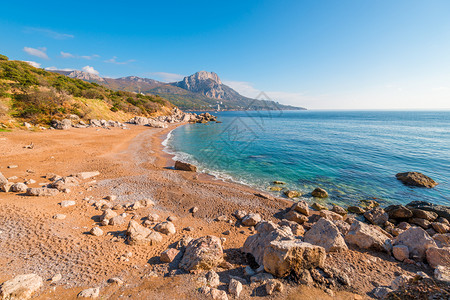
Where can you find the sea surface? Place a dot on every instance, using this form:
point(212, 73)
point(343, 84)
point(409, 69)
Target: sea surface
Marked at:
point(354, 155)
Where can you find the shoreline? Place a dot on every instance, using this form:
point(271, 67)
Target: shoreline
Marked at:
point(133, 167)
point(165, 160)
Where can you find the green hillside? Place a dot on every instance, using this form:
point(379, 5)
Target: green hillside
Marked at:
point(38, 96)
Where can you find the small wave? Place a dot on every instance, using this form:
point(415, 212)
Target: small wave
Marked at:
point(168, 137)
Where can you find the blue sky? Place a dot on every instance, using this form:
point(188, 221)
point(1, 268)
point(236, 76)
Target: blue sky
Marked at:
point(359, 54)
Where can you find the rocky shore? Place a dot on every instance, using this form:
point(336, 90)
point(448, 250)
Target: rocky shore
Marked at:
point(99, 212)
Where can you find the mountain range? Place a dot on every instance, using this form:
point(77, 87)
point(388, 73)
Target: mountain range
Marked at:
point(200, 91)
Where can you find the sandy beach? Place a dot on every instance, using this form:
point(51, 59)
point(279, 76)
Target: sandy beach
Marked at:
point(133, 167)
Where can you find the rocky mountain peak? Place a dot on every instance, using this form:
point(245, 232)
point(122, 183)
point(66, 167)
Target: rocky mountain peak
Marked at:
point(204, 75)
point(85, 76)
point(206, 83)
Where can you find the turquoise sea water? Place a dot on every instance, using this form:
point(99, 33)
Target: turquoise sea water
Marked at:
point(354, 155)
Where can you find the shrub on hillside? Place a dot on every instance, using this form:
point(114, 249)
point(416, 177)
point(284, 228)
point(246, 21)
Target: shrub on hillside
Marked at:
point(41, 106)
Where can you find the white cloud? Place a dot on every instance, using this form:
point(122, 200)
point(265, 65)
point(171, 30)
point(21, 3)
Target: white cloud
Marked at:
point(49, 33)
point(90, 56)
point(53, 68)
point(33, 63)
point(66, 54)
point(36, 52)
point(90, 70)
point(70, 55)
point(113, 60)
point(166, 77)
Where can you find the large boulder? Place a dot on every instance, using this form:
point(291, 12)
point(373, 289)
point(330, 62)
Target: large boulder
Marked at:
point(440, 227)
point(286, 256)
point(139, 121)
point(266, 232)
point(19, 187)
point(376, 216)
point(367, 237)
point(416, 179)
point(156, 124)
point(326, 234)
point(442, 240)
point(166, 228)
point(440, 210)
point(424, 214)
point(21, 287)
point(203, 253)
point(62, 125)
point(294, 216)
point(417, 240)
point(296, 228)
point(398, 212)
point(179, 165)
point(251, 219)
point(329, 215)
point(301, 207)
point(138, 234)
point(438, 256)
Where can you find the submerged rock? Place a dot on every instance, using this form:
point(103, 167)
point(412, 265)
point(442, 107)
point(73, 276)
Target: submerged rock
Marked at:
point(416, 179)
point(356, 210)
point(319, 193)
point(292, 194)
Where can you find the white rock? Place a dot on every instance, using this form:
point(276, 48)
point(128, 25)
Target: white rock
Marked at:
point(89, 293)
point(86, 175)
point(400, 281)
point(96, 231)
point(21, 287)
point(59, 216)
point(67, 203)
point(417, 240)
point(235, 288)
point(56, 278)
point(19, 187)
point(325, 234)
point(251, 219)
point(442, 273)
point(116, 280)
